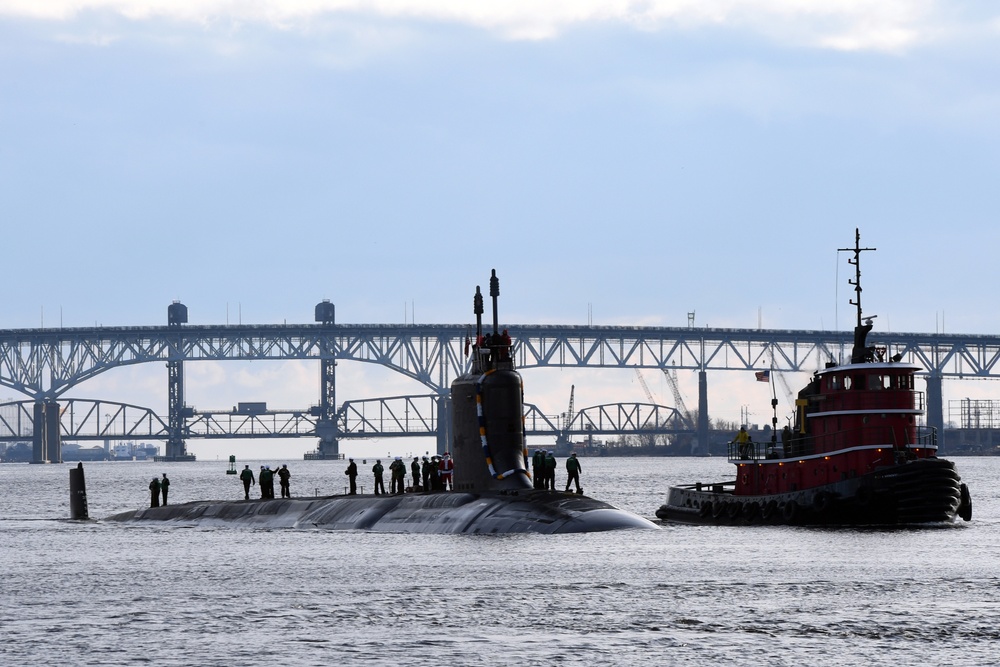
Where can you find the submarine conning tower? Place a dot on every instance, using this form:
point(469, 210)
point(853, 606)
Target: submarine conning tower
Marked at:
point(488, 444)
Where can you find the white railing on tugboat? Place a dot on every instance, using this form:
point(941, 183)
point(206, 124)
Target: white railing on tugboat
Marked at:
point(802, 446)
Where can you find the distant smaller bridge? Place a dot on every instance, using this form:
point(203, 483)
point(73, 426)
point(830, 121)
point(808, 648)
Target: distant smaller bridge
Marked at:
point(390, 417)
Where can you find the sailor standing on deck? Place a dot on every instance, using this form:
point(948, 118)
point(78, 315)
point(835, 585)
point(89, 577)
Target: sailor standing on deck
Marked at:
point(538, 467)
point(164, 486)
point(425, 470)
point(266, 480)
point(284, 475)
point(352, 474)
point(415, 469)
point(436, 473)
point(573, 471)
point(398, 470)
point(377, 470)
point(550, 471)
point(247, 478)
point(154, 493)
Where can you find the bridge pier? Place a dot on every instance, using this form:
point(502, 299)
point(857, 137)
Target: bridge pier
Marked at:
point(701, 446)
point(326, 425)
point(935, 405)
point(444, 431)
point(46, 439)
point(176, 449)
point(329, 443)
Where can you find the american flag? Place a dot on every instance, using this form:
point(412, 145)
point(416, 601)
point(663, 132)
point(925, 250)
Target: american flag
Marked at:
point(763, 376)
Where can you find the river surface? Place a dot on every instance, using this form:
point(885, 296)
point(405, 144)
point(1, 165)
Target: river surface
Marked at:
point(94, 593)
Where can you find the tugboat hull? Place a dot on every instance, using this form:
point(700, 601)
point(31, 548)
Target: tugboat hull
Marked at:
point(917, 492)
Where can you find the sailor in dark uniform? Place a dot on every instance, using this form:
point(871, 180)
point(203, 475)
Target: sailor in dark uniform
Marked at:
point(352, 474)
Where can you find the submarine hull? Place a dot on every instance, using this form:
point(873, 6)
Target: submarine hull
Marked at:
point(492, 489)
point(546, 512)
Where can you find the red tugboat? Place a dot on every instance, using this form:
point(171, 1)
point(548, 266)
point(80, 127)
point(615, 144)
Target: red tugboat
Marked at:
point(854, 456)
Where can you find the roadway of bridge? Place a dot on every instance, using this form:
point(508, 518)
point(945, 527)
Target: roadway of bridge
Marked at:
point(44, 364)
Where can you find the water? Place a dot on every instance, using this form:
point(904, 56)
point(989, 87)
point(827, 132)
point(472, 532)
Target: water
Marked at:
point(110, 594)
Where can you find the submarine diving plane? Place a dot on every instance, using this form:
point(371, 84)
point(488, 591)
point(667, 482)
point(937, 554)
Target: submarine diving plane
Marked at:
point(493, 490)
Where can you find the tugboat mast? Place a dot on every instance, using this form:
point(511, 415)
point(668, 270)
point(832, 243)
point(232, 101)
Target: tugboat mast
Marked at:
point(856, 261)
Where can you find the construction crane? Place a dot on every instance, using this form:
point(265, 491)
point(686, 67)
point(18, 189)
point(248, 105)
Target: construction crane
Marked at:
point(686, 419)
point(645, 387)
point(569, 414)
point(562, 440)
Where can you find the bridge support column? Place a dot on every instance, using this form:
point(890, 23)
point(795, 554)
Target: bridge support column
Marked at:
point(326, 425)
point(444, 431)
point(38, 434)
point(701, 445)
point(46, 439)
point(53, 433)
point(176, 427)
point(176, 448)
point(935, 406)
point(329, 444)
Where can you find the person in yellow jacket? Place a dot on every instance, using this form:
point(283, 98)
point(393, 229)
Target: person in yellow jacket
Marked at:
point(743, 442)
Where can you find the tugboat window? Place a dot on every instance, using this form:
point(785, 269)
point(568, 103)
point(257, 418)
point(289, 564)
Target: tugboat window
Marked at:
point(847, 382)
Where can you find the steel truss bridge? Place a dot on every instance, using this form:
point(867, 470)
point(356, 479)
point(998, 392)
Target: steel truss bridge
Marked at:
point(45, 364)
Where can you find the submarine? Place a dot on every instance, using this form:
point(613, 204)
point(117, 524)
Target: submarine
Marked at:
point(493, 492)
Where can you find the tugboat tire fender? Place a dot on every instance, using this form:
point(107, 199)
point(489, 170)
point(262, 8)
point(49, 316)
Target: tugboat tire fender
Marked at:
point(768, 511)
point(863, 497)
point(706, 509)
point(965, 506)
point(750, 511)
point(789, 511)
point(718, 509)
point(734, 510)
point(822, 501)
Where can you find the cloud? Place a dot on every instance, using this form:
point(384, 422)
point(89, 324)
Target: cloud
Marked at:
point(890, 25)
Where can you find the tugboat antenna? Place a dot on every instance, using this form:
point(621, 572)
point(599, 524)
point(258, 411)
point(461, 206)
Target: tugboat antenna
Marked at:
point(856, 261)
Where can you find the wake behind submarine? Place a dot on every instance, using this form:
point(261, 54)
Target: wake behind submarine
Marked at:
point(493, 491)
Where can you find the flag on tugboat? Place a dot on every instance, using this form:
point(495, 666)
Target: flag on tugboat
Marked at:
point(763, 376)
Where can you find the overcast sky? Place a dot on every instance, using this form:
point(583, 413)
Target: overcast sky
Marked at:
point(616, 162)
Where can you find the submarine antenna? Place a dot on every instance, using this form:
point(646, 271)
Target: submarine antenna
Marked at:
point(477, 308)
point(495, 292)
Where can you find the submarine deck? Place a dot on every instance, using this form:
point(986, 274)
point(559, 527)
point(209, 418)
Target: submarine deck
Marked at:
point(528, 511)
